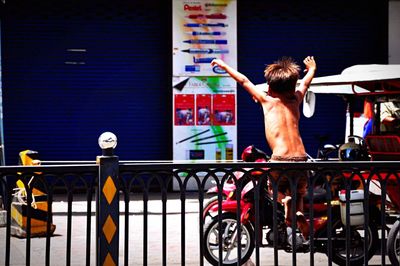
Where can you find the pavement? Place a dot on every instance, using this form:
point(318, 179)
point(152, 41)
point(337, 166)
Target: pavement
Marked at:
point(136, 207)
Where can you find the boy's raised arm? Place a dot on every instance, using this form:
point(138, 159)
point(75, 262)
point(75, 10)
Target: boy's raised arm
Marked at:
point(241, 79)
point(311, 67)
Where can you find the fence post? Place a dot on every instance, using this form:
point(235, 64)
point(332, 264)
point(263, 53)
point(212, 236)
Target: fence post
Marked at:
point(107, 224)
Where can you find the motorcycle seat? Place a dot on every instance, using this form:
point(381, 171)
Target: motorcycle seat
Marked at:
point(319, 195)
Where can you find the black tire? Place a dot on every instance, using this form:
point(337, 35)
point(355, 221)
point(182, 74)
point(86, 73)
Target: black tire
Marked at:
point(393, 244)
point(356, 241)
point(207, 214)
point(211, 246)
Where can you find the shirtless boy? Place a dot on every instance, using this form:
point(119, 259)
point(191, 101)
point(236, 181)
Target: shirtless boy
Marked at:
point(281, 107)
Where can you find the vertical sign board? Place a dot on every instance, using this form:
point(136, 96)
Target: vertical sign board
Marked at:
point(204, 97)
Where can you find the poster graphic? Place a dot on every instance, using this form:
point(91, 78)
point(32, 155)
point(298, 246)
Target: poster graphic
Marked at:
point(203, 30)
point(203, 109)
point(224, 109)
point(184, 108)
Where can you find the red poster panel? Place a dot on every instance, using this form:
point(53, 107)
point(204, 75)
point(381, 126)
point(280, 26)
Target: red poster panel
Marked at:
point(184, 108)
point(224, 109)
point(203, 109)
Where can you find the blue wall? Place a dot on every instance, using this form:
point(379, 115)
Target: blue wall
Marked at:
point(124, 86)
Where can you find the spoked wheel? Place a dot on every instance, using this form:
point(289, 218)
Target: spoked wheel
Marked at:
point(357, 239)
point(208, 215)
point(229, 240)
point(393, 244)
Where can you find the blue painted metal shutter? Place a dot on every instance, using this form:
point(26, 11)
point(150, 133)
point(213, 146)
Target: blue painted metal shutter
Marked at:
point(58, 101)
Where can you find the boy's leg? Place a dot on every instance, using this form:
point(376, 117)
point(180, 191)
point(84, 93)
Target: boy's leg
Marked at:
point(287, 203)
point(302, 224)
point(301, 220)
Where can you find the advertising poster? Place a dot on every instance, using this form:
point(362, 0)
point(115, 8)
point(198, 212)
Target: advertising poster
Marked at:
point(205, 119)
point(204, 97)
point(203, 30)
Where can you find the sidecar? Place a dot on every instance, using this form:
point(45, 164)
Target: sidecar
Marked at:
point(374, 84)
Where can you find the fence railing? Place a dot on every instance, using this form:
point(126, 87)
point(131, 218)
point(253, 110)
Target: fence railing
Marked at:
point(160, 213)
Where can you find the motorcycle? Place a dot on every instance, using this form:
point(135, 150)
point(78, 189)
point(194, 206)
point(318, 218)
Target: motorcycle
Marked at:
point(286, 240)
point(249, 154)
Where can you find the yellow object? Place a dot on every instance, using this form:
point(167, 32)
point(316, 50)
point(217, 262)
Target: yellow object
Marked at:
point(38, 209)
point(38, 216)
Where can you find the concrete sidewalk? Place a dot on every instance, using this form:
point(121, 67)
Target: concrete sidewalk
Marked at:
point(136, 220)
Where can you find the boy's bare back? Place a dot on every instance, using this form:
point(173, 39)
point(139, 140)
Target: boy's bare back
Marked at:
point(281, 120)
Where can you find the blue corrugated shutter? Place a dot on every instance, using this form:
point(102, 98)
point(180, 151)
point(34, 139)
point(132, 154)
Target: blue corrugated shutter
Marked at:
point(116, 78)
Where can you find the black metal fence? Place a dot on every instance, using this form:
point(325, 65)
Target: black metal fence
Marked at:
point(163, 213)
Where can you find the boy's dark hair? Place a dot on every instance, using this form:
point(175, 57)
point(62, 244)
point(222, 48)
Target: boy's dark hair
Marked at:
point(282, 75)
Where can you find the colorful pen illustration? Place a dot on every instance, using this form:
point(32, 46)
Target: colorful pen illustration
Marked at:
point(199, 41)
point(218, 70)
point(192, 68)
point(205, 51)
point(206, 33)
point(214, 142)
point(199, 25)
point(193, 136)
point(209, 137)
point(207, 16)
point(201, 28)
point(203, 60)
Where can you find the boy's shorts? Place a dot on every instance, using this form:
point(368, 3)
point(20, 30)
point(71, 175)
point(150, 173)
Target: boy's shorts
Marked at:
point(282, 176)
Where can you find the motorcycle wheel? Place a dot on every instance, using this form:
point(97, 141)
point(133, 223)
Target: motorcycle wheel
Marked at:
point(393, 244)
point(207, 214)
point(356, 242)
point(228, 245)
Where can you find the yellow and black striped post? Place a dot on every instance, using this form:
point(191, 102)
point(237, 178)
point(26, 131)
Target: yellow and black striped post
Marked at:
point(108, 204)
